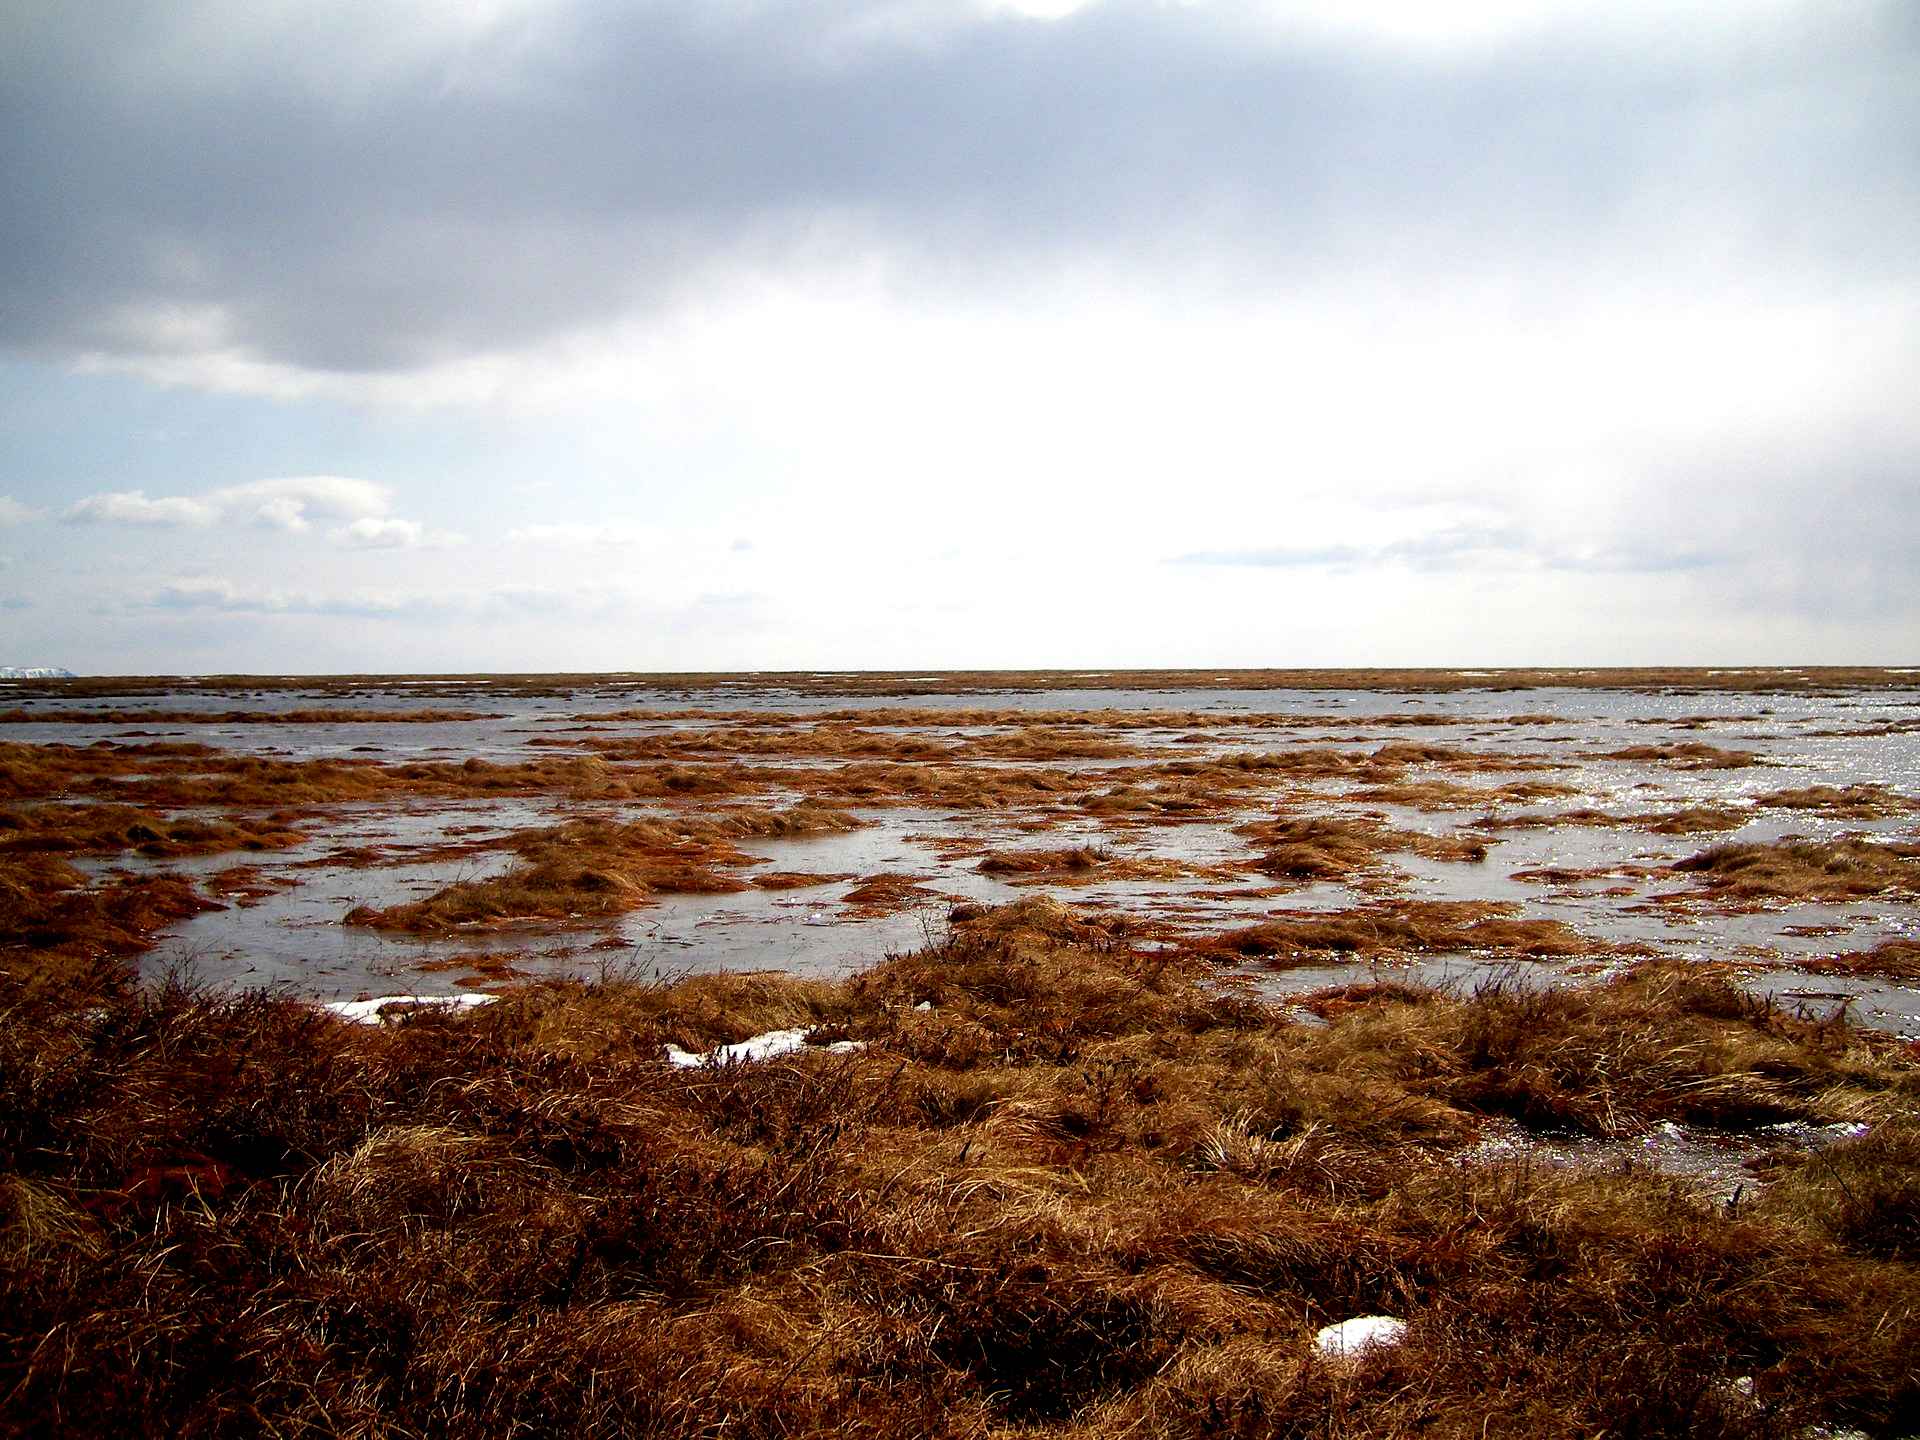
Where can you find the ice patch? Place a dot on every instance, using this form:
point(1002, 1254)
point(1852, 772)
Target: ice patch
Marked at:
point(1348, 1339)
point(379, 1010)
point(758, 1047)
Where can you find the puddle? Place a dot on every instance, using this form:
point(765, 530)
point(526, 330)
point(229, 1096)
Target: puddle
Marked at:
point(1712, 1162)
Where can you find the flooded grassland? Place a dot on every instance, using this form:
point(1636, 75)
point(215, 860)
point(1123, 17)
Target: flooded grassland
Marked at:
point(344, 843)
point(1203, 1011)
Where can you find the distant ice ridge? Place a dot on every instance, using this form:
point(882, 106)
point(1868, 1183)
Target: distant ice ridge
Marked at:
point(34, 672)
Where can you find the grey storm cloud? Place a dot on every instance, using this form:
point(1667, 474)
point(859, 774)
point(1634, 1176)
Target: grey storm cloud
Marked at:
point(344, 203)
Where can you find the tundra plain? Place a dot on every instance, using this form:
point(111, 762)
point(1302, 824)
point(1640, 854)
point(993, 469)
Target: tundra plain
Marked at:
point(1142, 1026)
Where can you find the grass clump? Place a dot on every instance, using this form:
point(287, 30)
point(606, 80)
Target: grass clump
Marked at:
point(1401, 927)
point(1319, 847)
point(1687, 755)
point(1845, 869)
point(110, 829)
point(1890, 960)
point(1842, 802)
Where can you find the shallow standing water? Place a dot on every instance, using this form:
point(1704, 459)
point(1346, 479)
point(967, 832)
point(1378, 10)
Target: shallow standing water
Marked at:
point(293, 936)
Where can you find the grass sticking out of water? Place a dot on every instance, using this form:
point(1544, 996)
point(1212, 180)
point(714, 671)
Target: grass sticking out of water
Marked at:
point(1844, 869)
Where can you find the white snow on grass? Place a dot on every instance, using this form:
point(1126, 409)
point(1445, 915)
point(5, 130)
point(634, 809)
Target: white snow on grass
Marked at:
point(758, 1047)
point(385, 1007)
point(1349, 1338)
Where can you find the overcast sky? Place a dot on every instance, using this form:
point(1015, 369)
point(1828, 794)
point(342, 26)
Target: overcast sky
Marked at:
point(716, 334)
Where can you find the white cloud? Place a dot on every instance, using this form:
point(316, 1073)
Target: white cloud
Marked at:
point(286, 504)
point(134, 507)
point(290, 504)
point(220, 595)
point(379, 532)
point(12, 512)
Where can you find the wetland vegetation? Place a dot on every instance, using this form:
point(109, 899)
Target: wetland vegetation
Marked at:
point(1190, 1022)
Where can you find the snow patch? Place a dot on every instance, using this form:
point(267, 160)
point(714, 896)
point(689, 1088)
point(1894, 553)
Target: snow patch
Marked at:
point(758, 1047)
point(1348, 1339)
point(394, 1007)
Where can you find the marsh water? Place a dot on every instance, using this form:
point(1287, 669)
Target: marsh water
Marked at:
point(1606, 881)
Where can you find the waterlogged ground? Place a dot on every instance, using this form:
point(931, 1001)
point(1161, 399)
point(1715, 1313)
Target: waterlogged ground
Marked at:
point(1200, 813)
point(1049, 1164)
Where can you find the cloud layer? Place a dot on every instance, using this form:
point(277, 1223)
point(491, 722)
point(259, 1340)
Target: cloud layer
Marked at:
point(960, 331)
point(290, 505)
point(376, 190)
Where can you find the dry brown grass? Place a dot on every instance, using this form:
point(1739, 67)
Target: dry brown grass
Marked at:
point(1688, 820)
point(1842, 802)
point(1686, 755)
point(1401, 927)
point(1889, 960)
point(1090, 864)
point(1846, 869)
point(55, 922)
point(1085, 1193)
point(344, 715)
point(596, 870)
point(886, 893)
point(1321, 847)
point(1695, 820)
point(109, 829)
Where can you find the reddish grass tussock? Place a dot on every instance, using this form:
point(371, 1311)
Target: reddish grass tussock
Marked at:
point(887, 892)
point(342, 716)
point(1088, 864)
point(595, 870)
point(1695, 820)
point(1401, 927)
point(793, 879)
point(1333, 848)
point(1447, 795)
point(1687, 755)
point(1889, 960)
point(1688, 820)
point(1846, 869)
point(109, 829)
point(1842, 802)
point(54, 920)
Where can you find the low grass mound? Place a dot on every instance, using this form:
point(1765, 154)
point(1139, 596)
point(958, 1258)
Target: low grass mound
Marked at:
point(1088, 864)
point(111, 829)
point(1067, 1188)
point(1400, 927)
point(1324, 847)
point(1842, 802)
point(1687, 755)
point(595, 870)
point(1846, 869)
point(56, 922)
point(1889, 960)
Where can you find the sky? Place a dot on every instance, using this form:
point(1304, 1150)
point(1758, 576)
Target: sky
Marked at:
point(507, 335)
